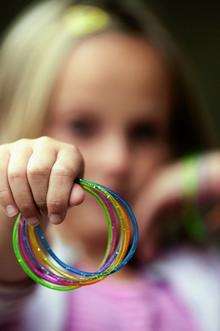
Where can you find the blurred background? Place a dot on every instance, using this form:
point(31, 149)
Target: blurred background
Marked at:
point(195, 26)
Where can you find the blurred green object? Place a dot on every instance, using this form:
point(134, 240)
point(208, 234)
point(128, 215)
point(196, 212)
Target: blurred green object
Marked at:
point(193, 220)
point(194, 224)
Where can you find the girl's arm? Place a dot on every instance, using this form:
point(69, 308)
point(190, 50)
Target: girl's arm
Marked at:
point(187, 190)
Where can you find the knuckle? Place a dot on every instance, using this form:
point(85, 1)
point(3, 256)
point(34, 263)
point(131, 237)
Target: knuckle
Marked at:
point(21, 142)
point(77, 158)
point(21, 145)
point(16, 174)
point(72, 149)
point(36, 171)
point(55, 206)
point(4, 195)
point(62, 171)
point(43, 139)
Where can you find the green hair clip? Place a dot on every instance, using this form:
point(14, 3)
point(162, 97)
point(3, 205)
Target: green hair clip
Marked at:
point(84, 19)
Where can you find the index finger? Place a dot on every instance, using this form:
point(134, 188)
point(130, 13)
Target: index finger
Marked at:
point(68, 165)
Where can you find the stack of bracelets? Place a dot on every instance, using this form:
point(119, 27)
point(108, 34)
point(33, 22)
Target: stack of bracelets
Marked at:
point(38, 260)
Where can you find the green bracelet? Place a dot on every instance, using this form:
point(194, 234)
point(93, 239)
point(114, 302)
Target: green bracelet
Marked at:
point(193, 221)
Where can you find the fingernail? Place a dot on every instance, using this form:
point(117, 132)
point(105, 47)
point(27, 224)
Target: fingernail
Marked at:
point(33, 220)
point(11, 211)
point(55, 218)
point(77, 195)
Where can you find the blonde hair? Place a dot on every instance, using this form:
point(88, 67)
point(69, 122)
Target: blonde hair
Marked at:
point(30, 58)
point(39, 42)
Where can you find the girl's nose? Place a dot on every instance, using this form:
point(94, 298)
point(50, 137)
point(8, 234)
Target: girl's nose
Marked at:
point(115, 156)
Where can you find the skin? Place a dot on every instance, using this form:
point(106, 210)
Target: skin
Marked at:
point(108, 118)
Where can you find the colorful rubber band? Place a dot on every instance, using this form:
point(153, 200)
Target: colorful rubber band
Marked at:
point(40, 263)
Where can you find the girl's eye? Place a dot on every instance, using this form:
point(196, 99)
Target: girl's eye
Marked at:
point(82, 127)
point(143, 132)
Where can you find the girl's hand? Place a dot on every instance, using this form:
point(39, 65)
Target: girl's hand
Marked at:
point(171, 191)
point(36, 177)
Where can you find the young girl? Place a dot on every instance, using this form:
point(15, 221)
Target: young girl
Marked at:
point(100, 92)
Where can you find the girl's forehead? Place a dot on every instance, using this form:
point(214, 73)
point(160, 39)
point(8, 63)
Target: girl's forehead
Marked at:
point(115, 56)
point(121, 70)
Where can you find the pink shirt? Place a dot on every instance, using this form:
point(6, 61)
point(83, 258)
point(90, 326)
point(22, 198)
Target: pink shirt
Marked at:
point(181, 292)
point(143, 305)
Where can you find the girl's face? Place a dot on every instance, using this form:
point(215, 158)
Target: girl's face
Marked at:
point(112, 100)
